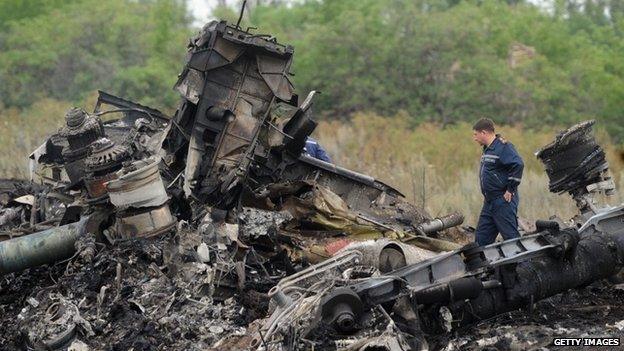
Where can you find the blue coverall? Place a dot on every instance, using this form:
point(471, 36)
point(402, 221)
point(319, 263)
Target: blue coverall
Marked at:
point(312, 148)
point(500, 171)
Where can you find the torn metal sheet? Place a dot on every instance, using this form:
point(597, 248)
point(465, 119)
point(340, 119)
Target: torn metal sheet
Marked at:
point(240, 129)
point(233, 98)
point(238, 206)
point(25, 200)
point(322, 207)
point(132, 111)
point(317, 207)
point(266, 244)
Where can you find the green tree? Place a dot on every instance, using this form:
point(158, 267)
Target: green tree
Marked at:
point(135, 49)
point(447, 61)
point(12, 10)
point(437, 60)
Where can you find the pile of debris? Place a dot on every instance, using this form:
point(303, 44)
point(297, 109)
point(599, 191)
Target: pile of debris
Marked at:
point(152, 227)
point(213, 229)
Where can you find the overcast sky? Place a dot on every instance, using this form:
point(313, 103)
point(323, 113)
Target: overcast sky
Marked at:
point(201, 10)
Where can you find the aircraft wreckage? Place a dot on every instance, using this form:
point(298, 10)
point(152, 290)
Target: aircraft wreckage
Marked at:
point(213, 228)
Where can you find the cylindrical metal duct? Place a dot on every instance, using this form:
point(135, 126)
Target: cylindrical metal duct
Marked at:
point(145, 223)
point(140, 197)
point(40, 248)
point(139, 185)
point(387, 255)
point(441, 223)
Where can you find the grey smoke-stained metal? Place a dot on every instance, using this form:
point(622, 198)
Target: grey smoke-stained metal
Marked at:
point(140, 197)
point(336, 177)
point(595, 257)
point(105, 156)
point(388, 255)
point(605, 220)
point(40, 248)
point(138, 185)
point(144, 223)
point(80, 131)
point(233, 78)
point(330, 267)
point(138, 128)
point(457, 288)
point(131, 110)
point(104, 160)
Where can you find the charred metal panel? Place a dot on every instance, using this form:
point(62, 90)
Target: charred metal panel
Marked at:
point(577, 164)
point(233, 77)
point(359, 191)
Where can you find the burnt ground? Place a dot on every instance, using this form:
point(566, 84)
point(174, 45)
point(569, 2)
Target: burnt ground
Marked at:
point(154, 295)
point(594, 311)
point(139, 295)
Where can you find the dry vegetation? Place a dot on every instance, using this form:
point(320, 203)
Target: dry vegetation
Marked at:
point(21, 131)
point(431, 165)
point(438, 166)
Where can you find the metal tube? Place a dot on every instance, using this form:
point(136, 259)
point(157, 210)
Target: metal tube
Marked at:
point(441, 223)
point(282, 300)
point(40, 248)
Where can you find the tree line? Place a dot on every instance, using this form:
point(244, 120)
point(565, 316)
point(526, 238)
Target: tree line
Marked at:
point(438, 61)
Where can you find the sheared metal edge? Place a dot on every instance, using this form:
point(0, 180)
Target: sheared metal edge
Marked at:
point(561, 139)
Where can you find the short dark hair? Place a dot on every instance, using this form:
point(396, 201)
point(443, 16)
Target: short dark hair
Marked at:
point(484, 124)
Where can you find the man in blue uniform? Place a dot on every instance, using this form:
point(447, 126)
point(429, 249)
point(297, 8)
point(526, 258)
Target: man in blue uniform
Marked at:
point(314, 149)
point(499, 174)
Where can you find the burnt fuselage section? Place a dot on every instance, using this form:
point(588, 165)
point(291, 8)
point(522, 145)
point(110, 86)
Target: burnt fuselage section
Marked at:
point(240, 127)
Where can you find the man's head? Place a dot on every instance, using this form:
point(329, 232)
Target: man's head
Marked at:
point(483, 131)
